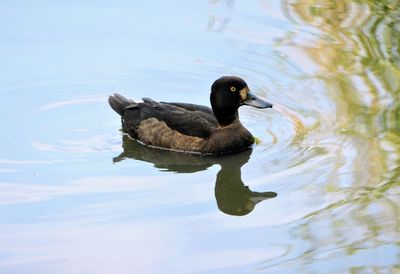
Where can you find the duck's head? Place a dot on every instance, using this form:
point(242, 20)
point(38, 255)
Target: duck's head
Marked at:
point(228, 93)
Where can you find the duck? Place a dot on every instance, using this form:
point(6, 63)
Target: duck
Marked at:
point(192, 128)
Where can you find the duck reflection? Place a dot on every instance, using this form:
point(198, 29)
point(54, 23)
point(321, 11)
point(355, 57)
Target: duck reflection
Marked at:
point(233, 197)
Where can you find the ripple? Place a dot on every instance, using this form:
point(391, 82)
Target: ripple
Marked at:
point(95, 143)
point(60, 104)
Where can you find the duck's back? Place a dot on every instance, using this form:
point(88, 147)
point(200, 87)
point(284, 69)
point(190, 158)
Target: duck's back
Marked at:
point(175, 126)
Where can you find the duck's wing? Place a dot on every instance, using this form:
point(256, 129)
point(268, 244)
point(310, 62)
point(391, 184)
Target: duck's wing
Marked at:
point(191, 107)
point(190, 122)
point(200, 110)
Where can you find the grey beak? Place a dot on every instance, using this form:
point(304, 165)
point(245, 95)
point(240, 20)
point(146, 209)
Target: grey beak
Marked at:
point(253, 100)
point(261, 196)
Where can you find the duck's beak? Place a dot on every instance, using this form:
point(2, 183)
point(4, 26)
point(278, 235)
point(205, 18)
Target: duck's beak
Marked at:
point(261, 196)
point(253, 100)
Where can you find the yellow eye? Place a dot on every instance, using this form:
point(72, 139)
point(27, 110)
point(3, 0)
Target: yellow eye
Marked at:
point(233, 89)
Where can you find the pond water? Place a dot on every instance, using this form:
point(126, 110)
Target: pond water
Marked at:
point(78, 197)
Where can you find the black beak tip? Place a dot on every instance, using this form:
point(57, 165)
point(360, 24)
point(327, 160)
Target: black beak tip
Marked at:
point(266, 105)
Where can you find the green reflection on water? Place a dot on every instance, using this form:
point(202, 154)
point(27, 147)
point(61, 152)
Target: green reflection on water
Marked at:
point(356, 49)
point(232, 195)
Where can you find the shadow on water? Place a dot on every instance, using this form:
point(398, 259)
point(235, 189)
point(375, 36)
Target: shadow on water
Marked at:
point(232, 195)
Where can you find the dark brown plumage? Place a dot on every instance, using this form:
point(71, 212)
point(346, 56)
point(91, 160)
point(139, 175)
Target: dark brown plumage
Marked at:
point(190, 127)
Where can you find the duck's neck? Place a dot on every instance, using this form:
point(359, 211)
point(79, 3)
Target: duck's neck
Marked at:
point(236, 123)
point(225, 119)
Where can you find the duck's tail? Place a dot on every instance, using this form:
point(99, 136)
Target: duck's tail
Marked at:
point(119, 103)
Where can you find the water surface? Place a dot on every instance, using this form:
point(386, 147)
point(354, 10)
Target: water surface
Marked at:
point(78, 197)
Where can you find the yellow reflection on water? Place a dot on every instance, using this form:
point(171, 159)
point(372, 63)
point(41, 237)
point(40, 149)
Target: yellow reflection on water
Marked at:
point(355, 47)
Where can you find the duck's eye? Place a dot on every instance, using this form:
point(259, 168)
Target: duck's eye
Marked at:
point(233, 89)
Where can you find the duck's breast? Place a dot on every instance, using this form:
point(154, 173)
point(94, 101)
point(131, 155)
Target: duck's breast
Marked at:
point(233, 138)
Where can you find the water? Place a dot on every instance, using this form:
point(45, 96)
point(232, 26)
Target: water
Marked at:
point(78, 197)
